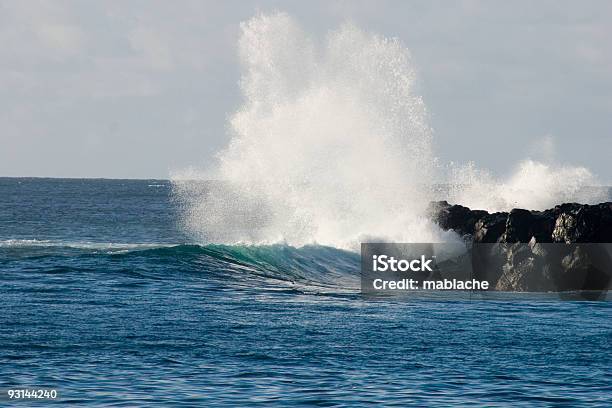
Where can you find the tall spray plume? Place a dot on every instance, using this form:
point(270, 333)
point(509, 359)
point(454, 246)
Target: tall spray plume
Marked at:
point(332, 146)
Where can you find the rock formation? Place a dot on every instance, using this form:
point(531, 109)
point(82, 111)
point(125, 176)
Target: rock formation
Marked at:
point(566, 248)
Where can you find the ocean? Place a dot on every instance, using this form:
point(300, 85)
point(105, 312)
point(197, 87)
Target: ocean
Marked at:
point(107, 300)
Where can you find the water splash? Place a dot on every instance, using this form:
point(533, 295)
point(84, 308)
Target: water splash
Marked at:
point(332, 143)
point(332, 146)
point(533, 185)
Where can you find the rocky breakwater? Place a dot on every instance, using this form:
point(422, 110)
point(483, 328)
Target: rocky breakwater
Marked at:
point(563, 249)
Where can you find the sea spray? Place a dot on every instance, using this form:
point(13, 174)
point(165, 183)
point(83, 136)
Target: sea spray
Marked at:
point(332, 146)
point(532, 185)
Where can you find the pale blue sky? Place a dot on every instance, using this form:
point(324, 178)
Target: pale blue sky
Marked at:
point(136, 89)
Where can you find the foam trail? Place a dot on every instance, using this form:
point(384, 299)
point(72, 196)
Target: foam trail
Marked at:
point(86, 245)
point(332, 143)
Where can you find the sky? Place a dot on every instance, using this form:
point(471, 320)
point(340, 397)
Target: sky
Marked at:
point(139, 89)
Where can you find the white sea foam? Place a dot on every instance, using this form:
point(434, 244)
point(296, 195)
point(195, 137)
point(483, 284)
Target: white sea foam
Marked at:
point(110, 246)
point(332, 145)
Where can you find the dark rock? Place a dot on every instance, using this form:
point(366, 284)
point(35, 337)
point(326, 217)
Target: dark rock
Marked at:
point(500, 253)
point(585, 267)
point(527, 268)
point(523, 225)
point(490, 227)
point(518, 226)
point(565, 229)
point(583, 223)
point(569, 223)
point(455, 217)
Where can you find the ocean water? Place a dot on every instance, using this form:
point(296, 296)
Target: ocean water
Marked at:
point(105, 299)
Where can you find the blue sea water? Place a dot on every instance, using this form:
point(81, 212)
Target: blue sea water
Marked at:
point(105, 299)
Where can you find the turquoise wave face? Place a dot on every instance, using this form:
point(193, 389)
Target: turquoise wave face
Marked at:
point(309, 265)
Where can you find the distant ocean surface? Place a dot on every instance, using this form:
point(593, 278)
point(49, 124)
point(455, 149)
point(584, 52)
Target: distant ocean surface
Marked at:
point(105, 299)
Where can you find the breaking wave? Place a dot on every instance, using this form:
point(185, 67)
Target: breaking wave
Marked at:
point(332, 146)
point(308, 268)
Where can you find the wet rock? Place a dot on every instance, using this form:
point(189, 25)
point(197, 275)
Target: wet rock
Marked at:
point(515, 251)
point(569, 223)
point(585, 267)
point(583, 223)
point(523, 225)
point(490, 227)
point(455, 217)
point(527, 268)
